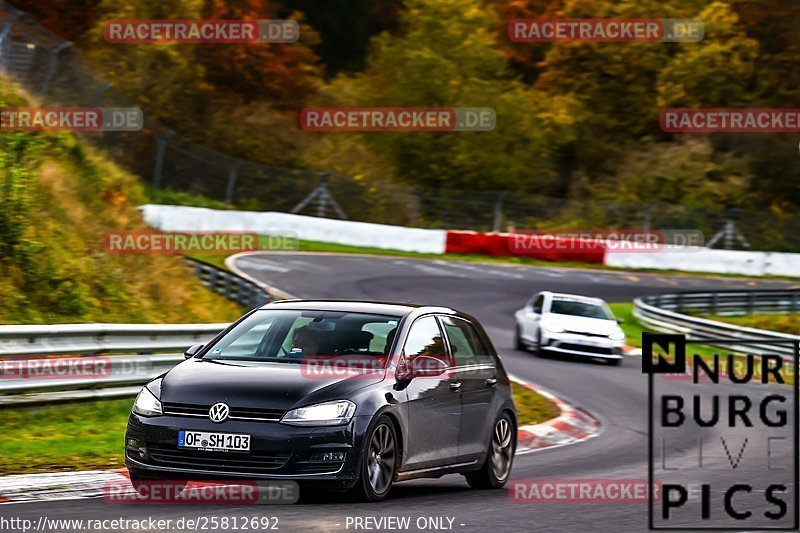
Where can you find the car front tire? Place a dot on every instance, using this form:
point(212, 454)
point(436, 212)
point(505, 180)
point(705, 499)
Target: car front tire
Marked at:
point(379, 459)
point(496, 469)
point(518, 344)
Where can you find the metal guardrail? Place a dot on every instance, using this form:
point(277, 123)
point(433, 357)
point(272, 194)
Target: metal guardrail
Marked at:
point(124, 377)
point(35, 344)
point(666, 312)
point(92, 339)
point(230, 285)
point(110, 377)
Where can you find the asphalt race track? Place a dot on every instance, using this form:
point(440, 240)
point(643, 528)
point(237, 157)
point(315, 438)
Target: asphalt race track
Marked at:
point(491, 292)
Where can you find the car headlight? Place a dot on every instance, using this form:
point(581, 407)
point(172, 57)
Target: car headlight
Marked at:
point(552, 328)
point(321, 414)
point(618, 336)
point(146, 404)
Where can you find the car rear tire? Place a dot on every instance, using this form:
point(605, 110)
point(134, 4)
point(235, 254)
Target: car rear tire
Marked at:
point(613, 362)
point(496, 469)
point(378, 464)
point(143, 486)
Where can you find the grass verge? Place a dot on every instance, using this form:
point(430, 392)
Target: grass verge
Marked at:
point(89, 435)
point(784, 323)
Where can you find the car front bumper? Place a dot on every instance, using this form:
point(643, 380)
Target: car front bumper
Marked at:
point(277, 451)
point(587, 346)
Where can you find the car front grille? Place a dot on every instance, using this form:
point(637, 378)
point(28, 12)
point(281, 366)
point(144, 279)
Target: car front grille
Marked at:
point(585, 334)
point(237, 413)
point(253, 462)
point(585, 348)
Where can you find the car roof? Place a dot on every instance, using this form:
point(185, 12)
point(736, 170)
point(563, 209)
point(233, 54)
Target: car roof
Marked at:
point(577, 297)
point(360, 306)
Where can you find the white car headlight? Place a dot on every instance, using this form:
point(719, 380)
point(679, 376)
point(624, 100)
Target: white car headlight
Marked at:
point(321, 414)
point(617, 336)
point(146, 404)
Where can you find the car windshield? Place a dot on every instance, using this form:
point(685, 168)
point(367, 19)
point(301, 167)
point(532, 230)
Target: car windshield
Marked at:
point(580, 308)
point(291, 335)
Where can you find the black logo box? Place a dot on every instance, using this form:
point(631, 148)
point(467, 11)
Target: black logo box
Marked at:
point(675, 345)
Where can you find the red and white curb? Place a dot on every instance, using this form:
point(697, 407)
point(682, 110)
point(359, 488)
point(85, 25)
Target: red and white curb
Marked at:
point(631, 350)
point(573, 425)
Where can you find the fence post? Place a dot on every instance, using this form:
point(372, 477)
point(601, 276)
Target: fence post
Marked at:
point(5, 42)
point(161, 149)
point(498, 212)
point(51, 68)
point(231, 186)
point(94, 100)
point(648, 217)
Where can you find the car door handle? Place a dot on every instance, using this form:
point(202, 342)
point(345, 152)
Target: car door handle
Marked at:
point(455, 386)
point(491, 382)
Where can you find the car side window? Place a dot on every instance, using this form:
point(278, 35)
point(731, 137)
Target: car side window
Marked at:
point(425, 338)
point(465, 344)
point(538, 303)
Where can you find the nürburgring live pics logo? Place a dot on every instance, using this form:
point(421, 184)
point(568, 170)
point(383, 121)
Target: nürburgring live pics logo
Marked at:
point(730, 430)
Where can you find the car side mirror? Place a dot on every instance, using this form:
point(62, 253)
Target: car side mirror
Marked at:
point(619, 320)
point(425, 366)
point(192, 351)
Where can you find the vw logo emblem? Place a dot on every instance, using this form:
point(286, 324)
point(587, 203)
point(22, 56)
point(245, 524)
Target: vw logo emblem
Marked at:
point(219, 412)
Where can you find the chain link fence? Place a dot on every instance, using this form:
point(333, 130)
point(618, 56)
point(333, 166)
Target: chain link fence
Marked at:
point(54, 72)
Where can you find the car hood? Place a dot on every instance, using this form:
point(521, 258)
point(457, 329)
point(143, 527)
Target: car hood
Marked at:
point(581, 324)
point(256, 385)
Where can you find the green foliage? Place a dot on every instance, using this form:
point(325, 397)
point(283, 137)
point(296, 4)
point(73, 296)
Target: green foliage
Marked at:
point(59, 198)
point(446, 55)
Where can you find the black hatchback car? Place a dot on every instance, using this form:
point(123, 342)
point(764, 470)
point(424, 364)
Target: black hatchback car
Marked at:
point(350, 395)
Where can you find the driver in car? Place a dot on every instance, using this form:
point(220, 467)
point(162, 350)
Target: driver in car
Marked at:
point(304, 342)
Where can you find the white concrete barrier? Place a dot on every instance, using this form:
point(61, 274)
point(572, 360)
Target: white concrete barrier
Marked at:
point(686, 258)
point(183, 218)
point(698, 259)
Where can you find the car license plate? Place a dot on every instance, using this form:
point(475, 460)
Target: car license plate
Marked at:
point(203, 440)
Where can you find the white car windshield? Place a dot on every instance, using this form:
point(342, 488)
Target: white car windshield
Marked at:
point(580, 308)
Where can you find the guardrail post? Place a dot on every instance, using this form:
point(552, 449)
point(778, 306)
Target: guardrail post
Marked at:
point(794, 302)
point(212, 279)
point(679, 302)
point(228, 280)
point(714, 297)
point(750, 302)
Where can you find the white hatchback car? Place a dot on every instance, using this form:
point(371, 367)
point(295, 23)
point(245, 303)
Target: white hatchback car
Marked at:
point(569, 324)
